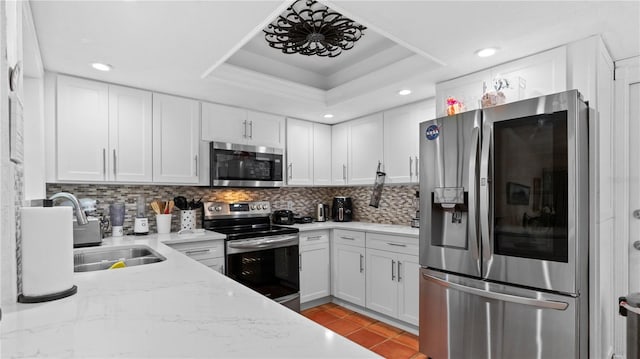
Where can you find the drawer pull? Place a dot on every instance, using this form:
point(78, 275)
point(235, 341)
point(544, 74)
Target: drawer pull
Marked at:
point(314, 238)
point(198, 251)
point(349, 238)
point(396, 244)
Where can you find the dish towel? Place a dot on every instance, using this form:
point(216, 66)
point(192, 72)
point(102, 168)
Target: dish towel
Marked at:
point(377, 188)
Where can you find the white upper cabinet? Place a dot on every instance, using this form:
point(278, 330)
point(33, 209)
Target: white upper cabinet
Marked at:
point(130, 135)
point(236, 125)
point(339, 155)
point(401, 140)
point(82, 128)
point(299, 152)
point(321, 154)
point(223, 123)
point(265, 129)
point(176, 139)
point(365, 149)
point(540, 74)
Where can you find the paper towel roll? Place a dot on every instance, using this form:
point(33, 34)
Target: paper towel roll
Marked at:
point(47, 253)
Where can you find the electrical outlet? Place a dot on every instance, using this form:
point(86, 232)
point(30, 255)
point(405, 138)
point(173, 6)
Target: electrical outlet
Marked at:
point(289, 205)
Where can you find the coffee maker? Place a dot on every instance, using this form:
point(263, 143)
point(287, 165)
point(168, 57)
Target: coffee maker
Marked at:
point(342, 209)
point(322, 213)
point(141, 223)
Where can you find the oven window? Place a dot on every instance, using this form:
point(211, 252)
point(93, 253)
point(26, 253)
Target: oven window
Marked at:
point(248, 166)
point(271, 272)
point(531, 187)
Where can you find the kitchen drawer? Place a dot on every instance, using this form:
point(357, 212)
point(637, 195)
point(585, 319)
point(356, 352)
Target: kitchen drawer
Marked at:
point(217, 264)
point(351, 238)
point(393, 243)
point(202, 249)
point(315, 237)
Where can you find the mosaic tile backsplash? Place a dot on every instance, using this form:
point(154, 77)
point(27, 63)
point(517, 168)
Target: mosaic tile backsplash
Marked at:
point(396, 204)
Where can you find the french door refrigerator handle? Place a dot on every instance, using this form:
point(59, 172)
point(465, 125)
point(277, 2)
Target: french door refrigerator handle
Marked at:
point(485, 183)
point(473, 193)
point(539, 303)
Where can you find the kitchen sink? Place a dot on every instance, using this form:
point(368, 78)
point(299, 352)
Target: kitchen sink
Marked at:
point(92, 259)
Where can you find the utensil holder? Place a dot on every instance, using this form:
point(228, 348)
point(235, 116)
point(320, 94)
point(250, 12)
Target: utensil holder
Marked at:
point(163, 223)
point(188, 219)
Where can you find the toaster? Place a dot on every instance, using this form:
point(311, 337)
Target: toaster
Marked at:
point(282, 216)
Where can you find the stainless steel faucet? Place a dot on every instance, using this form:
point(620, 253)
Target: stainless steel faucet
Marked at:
point(80, 216)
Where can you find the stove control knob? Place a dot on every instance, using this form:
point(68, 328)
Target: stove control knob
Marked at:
point(265, 206)
point(217, 208)
point(253, 206)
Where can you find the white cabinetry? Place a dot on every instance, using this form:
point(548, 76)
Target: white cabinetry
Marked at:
point(392, 276)
point(82, 128)
point(540, 74)
point(401, 140)
point(236, 125)
point(308, 158)
point(208, 252)
point(365, 149)
point(130, 135)
point(348, 266)
point(176, 139)
point(321, 154)
point(299, 152)
point(103, 132)
point(314, 265)
point(339, 155)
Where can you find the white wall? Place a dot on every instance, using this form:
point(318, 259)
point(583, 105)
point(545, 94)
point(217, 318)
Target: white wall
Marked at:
point(34, 154)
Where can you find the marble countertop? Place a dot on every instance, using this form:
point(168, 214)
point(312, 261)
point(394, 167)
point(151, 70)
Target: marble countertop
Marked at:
point(361, 226)
point(177, 308)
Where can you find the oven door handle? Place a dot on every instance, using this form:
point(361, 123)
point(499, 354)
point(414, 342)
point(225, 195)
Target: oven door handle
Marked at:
point(264, 243)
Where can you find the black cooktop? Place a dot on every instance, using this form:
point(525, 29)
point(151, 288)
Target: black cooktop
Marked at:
point(254, 232)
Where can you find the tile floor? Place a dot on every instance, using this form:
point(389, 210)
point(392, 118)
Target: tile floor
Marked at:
point(388, 341)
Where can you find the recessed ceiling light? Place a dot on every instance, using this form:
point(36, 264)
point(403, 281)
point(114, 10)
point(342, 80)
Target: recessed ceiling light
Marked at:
point(489, 51)
point(404, 92)
point(328, 115)
point(101, 67)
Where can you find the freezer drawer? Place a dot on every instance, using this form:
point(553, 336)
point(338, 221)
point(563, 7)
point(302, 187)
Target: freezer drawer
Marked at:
point(468, 318)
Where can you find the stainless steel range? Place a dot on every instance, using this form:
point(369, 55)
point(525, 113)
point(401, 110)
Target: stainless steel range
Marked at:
point(259, 255)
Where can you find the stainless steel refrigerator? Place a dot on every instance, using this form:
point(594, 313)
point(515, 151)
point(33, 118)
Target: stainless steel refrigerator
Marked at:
point(504, 231)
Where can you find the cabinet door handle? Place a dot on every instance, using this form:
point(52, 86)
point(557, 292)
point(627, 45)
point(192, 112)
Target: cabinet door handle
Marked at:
point(244, 131)
point(197, 251)
point(393, 269)
point(300, 262)
point(396, 244)
point(196, 165)
point(104, 163)
point(251, 129)
point(114, 163)
point(361, 264)
point(410, 167)
point(344, 173)
point(417, 168)
point(399, 278)
point(290, 170)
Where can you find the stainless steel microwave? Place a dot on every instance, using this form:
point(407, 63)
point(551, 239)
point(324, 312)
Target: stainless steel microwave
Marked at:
point(236, 165)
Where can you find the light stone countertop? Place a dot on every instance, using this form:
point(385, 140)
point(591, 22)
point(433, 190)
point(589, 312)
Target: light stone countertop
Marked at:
point(177, 308)
point(360, 226)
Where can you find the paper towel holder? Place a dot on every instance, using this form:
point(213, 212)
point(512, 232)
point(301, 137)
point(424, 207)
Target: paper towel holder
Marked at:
point(47, 297)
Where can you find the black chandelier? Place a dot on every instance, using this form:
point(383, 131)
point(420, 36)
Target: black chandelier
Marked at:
point(310, 28)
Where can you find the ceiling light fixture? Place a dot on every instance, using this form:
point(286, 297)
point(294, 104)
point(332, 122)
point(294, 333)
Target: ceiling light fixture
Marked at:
point(101, 67)
point(310, 28)
point(489, 51)
point(328, 115)
point(404, 92)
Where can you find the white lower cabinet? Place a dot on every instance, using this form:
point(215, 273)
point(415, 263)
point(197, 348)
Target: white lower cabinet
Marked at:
point(392, 276)
point(314, 266)
point(208, 252)
point(348, 266)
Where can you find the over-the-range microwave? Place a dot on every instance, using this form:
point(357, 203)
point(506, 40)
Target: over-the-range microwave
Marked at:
point(237, 165)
